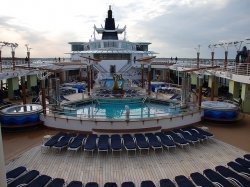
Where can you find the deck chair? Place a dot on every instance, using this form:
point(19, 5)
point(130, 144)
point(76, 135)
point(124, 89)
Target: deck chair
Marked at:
point(56, 182)
point(216, 178)
point(75, 184)
point(232, 176)
point(90, 143)
point(52, 141)
point(247, 157)
point(13, 174)
point(129, 143)
point(165, 140)
point(116, 143)
point(201, 180)
point(40, 181)
point(128, 184)
point(243, 162)
point(142, 142)
point(92, 184)
point(63, 142)
point(147, 183)
point(77, 142)
point(196, 134)
point(110, 184)
point(24, 179)
point(201, 131)
point(177, 139)
point(153, 141)
point(241, 170)
point(187, 136)
point(166, 183)
point(103, 143)
point(183, 181)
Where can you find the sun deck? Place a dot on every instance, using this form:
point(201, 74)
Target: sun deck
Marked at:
point(107, 168)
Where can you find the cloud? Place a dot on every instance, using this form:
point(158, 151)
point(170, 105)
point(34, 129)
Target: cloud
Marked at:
point(173, 27)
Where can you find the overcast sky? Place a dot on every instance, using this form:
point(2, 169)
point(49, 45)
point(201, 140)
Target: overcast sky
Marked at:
point(174, 27)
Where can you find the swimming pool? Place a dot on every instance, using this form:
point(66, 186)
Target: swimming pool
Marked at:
point(132, 108)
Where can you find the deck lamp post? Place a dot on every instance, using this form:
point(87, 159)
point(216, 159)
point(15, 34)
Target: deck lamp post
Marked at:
point(28, 53)
point(212, 47)
point(200, 78)
point(198, 55)
point(225, 45)
point(13, 46)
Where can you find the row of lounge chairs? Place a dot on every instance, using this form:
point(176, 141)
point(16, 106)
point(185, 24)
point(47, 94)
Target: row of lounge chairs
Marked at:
point(237, 173)
point(116, 143)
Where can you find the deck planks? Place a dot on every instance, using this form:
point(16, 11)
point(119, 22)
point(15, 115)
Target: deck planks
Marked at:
point(107, 168)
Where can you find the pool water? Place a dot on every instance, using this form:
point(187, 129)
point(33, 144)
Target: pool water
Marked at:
point(117, 109)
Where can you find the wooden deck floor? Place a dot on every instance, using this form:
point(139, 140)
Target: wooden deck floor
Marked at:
point(107, 168)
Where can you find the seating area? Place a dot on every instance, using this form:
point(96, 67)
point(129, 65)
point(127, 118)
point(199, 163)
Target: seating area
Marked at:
point(234, 174)
point(136, 143)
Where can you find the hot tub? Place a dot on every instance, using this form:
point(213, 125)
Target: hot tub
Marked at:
point(20, 115)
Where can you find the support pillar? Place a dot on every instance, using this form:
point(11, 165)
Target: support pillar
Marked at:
point(28, 56)
point(43, 96)
point(245, 96)
point(149, 80)
point(213, 84)
point(88, 72)
point(200, 92)
point(13, 84)
point(23, 90)
point(1, 65)
point(31, 81)
point(234, 88)
point(91, 76)
point(2, 164)
point(142, 75)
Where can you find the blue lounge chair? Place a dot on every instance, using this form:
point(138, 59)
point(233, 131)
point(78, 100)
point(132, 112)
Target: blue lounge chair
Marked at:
point(103, 143)
point(196, 134)
point(201, 131)
point(153, 141)
point(142, 142)
point(90, 144)
point(57, 182)
point(177, 139)
point(77, 142)
point(187, 136)
point(24, 179)
point(92, 184)
point(247, 157)
point(201, 180)
point(110, 184)
point(128, 184)
point(232, 176)
point(63, 142)
point(116, 143)
point(183, 181)
point(216, 178)
point(166, 183)
point(241, 170)
point(40, 181)
point(129, 143)
point(52, 141)
point(75, 184)
point(165, 140)
point(13, 174)
point(243, 162)
point(147, 183)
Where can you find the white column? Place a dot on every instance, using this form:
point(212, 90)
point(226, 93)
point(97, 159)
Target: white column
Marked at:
point(2, 164)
